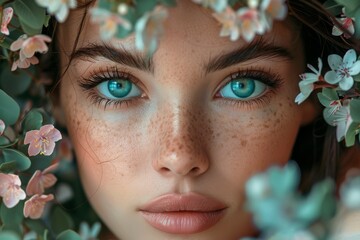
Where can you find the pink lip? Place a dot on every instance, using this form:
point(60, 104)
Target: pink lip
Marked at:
point(183, 214)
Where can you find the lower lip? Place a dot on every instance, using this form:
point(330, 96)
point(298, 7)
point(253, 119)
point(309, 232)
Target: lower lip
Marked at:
point(186, 222)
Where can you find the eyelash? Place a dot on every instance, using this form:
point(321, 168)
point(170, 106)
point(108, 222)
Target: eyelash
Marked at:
point(103, 75)
point(271, 80)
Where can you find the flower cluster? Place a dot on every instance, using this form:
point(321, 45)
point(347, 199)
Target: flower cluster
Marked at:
point(340, 93)
point(281, 212)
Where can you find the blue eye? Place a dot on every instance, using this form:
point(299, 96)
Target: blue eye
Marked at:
point(243, 88)
point(118, 89)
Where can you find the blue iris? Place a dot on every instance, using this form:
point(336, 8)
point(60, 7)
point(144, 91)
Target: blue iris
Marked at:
point(243, 88)
point(119, 88)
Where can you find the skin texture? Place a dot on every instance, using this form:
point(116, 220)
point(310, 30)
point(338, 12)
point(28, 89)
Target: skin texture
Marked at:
point(179, 137)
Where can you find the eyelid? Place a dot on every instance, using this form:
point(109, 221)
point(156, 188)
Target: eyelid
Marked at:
point(272, 80)
point(100, 75)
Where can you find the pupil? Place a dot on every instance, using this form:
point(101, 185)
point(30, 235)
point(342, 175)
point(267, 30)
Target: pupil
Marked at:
point(119, 88)
point(243, 87)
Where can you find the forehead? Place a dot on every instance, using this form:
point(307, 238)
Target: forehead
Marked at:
point(188, 26)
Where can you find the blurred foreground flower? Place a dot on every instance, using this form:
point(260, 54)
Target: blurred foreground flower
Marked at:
point(59, 8)
point(280, 211)
point(148, 30)
point(42, 141)
point(87, 233)
point(108, 22)
point(10, 189)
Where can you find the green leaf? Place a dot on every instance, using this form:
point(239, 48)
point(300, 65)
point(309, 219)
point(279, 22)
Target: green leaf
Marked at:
point(355, 110)
point(350, 5)
point(8, 235)
point(168, 3)
point(8, 167)
point(333, 7)
point(68, 235)
point(145, 6)
point(12, 217)
point(22, 161)
point(14, 83)
point(9, 109)
point(327, 96)
point(30, 13)
point(357, 23)
point(4, 141)
point(30, 30)
point(351, 134)
point(33, 120)
point(37, 226)
point(60, 220)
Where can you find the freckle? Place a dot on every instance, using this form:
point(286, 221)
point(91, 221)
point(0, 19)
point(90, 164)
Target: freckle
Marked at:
point(218, 134)
point(266, 126)
point(278, 121)
point(280, 104)
point(243, 143)
point(274, 113)
point(233, 136)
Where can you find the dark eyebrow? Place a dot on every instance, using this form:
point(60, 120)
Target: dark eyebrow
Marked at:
point(256, 49)
point(120, 55)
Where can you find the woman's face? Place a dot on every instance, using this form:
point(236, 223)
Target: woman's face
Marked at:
point(165, 146)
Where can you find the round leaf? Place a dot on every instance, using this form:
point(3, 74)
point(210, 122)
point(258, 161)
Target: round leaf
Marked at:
point(9, 109)
point(12, 217)
point(14, 83)
point(68, 235)
point(9, 235)
point(60, 221)
point(22, 161)
point(33, 120)
point(30, 13)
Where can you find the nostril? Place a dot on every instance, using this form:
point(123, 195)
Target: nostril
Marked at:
point(195, 170)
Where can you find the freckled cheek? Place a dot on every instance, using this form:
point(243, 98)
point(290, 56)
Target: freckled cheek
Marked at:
point(254, 140)
point(105, 146)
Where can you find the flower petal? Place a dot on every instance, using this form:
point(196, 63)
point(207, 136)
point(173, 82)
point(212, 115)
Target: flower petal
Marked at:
point(332, 77)
point(349, 58)
point(346, 83)
point(355, 68)
point(334, 61)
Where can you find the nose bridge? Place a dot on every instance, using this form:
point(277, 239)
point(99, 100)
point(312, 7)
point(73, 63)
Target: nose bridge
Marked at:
point(181, 150)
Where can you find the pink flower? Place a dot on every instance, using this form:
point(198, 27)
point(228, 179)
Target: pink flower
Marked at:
point(2, 127)
point(29, 45)
point(6, 18)
point(347, 23)
point(24, 64)
point(249, 23)
point(10, 189)
point(34, 207)
point(41, 180)
point(228, 20)
point(108, 22)
point(42, 141)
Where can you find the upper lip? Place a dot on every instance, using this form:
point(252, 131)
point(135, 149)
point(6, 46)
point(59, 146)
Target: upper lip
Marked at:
point(183, 202)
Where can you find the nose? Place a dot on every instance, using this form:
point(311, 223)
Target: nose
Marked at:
point(181, 149)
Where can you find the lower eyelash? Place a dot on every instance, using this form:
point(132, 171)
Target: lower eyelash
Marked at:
point(250, 104)
point(99, 101)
